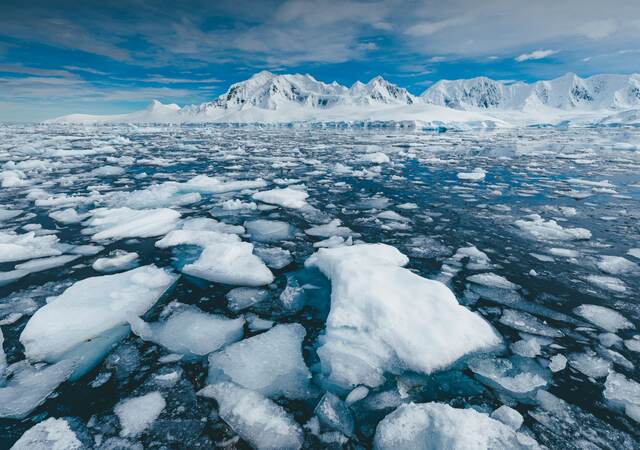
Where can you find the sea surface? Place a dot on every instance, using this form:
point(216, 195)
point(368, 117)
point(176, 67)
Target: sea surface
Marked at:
point(397, 187)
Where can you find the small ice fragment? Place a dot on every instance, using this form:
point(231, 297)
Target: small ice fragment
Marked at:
point(50, 434)
point(477, 174)
point(242, 298)
point(616, 265)
point(287, 197)
point(492, 280)
point(136, 414)
point(557, 363)
point(357, 394)
point(261, 422)
point(508, 416)
point(335, 414)
point(116, 261)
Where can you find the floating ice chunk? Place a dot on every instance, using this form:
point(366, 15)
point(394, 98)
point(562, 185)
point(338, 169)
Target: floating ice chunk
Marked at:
point(120, 223)
point(263, 230)
point(408, 206)
point(623, 393)
point(635, 252)
point(51, 434)
point(11, 276)
point(508, 416)
point(529, 348)
point(518, 376)
point(332, 228)
point(478, 174)
point(67, 216)
point(206, 224)
point(391, 215)
point(136, 414)
point(257, 324)
point(549, 230)
point(190, 331)
point(386, 318)
point(242, 298)
point(434, 426)
point(529, 324)
point(235, 204)
point(492, 280)
point(605, 318)
point(13, 178)
point(230, 263)
point(589, 364)
point(275, 361)
point(557, 363)
point(274, 257)
point(633, 344)
point(332, 242)
point(564, 252)
point(608, 283)
point(116, 261)
point(28, 387)
point(259, 421)
point(107, 171)
point(335, 414)
point(287, 197)
point(18, 247)
point(376, 158)
point(8, 214)
point(357, 394)
point(201, 238)
point(38, 265)
point(616, 265)
point(89, 308)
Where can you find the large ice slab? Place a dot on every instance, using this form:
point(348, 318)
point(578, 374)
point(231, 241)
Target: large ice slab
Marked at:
point(386, 318)
point(287, 197)
point(261, 422)
point(270, 363)
point(436, 426)
point(91, 307)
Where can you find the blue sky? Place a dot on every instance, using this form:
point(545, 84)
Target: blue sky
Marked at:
point(58, 57)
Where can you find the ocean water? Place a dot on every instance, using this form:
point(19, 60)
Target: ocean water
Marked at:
point(583, 179)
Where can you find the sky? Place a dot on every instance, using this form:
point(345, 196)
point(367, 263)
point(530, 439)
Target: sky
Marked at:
point(103, 57)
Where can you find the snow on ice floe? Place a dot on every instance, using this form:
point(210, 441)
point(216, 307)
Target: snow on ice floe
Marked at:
point(549, 230)
point(367, 334)
point(50, 434)
point(121, 223)
point(116, 261)
point(432, 426)
point(287, 197)
point(18, 247)
point(65, 327)
point(172, 193)
point(261, 422)
point(138, 413)
point(224, 258)
point(188, 330)
point(270, 363)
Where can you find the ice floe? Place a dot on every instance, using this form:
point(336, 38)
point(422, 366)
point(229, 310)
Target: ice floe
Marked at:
point(368, 334)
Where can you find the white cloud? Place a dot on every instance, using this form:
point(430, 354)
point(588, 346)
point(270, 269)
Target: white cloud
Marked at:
point(537, 54)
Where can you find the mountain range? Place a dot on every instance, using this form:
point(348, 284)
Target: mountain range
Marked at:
point(481, 102)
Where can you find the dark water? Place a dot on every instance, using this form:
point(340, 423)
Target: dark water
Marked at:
point(527, 172)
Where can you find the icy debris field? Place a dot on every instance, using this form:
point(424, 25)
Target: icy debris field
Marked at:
point(200, 287)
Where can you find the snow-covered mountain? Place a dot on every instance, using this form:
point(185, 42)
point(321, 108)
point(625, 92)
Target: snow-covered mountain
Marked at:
point(267, 98)
point(568, 92)
point(286, 99)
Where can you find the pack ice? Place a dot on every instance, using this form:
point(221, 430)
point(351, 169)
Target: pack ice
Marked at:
point(385, 318)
